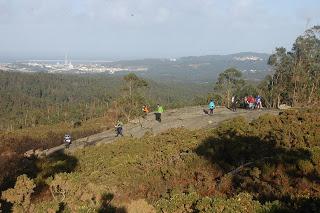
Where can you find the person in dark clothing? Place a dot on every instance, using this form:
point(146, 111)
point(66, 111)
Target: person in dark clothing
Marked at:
point(119, 128)
point(67, 140)
point(160, 110)
point(234, 103)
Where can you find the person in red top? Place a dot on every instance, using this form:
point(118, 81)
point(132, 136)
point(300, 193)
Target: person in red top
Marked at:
point(251, 102)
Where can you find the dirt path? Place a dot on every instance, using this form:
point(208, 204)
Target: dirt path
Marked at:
point(189, 117)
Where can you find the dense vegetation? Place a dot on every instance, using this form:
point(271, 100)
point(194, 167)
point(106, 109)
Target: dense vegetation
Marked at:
point(29, 100)
point(269, 164)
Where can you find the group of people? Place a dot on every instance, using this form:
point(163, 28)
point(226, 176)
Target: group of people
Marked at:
point(252, 103)
point(248, 102)
point(145, 110)
point(119, 124)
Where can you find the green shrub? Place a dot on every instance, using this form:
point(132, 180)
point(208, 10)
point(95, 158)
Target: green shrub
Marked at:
point(315, 157)
point(20, 195)
point(305, 166)
point(140, 206)
point(192, 202)
point(77, 196)
point(178, 202)
point(48, 206)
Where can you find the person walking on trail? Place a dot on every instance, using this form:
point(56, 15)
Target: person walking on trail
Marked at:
point(145, 111)
point(67, 140)
point(251, 101)
point(246, 102)
point(234, 103)
point(211, 106)
point(119, 128)
point(258, 102)
point(159, 112)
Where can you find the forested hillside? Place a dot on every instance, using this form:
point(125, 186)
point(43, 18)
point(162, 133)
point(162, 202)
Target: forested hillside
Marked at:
point(38, 98)
point(201, 69)
point(32, 99)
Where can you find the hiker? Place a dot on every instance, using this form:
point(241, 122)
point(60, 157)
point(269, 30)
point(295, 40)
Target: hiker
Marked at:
point(119, 128)
point(145, 111)
point(211, 106)
point(251, 101)
point(258, 102)
point(246, 102)
point(67, 140)
point(159, 112)
point(234, 103)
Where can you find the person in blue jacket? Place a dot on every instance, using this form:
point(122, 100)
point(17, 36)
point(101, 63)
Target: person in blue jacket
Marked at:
point(211, 106)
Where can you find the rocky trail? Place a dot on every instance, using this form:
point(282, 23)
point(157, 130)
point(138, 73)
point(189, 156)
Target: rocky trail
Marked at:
point(188, 117)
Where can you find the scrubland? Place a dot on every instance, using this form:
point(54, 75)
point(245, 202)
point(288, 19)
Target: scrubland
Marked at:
point(271, 164)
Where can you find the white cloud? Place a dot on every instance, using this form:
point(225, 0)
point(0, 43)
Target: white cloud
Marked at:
point(162, 15)
point(193, 25)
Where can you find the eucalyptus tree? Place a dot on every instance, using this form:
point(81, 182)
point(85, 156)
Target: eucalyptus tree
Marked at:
point(133, 96)
point(296, 78)
point(228, 83)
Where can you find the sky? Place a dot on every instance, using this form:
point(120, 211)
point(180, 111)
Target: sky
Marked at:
point(132, 29)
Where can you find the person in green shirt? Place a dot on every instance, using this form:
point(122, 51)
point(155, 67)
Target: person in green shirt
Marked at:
point(160, 110)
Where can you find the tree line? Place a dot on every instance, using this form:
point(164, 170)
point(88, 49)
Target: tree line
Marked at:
point(295, 80)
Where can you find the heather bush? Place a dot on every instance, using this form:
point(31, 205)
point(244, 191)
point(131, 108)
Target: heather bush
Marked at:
point(192, 202)
point(76, 196)
point(48, 207)
point(140, 206)
point(305, 166)
point(178, 202)
point(20, 195)
point(315, 158)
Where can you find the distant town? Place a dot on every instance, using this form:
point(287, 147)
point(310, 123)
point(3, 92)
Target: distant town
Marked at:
point(67, 66)
point(90, 67)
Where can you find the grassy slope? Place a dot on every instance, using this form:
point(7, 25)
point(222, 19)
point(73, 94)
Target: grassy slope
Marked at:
point(14, 143)
point(177, 169)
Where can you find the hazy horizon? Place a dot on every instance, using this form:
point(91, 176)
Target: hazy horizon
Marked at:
point(91, 59)
point(137, 29)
